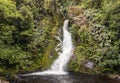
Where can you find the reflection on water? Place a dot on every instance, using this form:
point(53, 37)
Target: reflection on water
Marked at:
point(71, 78)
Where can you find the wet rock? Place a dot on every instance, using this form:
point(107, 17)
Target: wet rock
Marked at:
point(3, 81)
point(89, 65)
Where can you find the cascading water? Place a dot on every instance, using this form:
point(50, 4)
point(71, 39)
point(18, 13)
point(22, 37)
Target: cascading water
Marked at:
point(59, 65)
point(67, 49)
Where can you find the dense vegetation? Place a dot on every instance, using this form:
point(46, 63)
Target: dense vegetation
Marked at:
point(97, 36)
point(28, 29)
point(26, 33)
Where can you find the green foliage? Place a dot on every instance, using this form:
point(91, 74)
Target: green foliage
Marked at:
point(100, 41)
point(6, 33)
point(13, 57)
point(28, 28)
point(7, 10)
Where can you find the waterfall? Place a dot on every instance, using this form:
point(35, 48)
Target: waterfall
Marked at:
point(59, 65)
point(67, 49)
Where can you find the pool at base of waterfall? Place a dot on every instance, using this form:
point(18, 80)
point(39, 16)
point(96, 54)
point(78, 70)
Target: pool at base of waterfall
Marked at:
point(68, 78)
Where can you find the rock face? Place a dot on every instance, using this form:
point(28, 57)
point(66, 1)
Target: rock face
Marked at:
point(77, 15)
point(2, 81)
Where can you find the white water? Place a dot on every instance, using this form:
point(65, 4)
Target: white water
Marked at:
point(67, 48)
point(60, 64)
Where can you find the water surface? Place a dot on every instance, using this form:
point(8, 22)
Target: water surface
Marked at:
point(70, 78)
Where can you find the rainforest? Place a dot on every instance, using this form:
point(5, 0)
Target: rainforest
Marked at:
point(29, 31)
